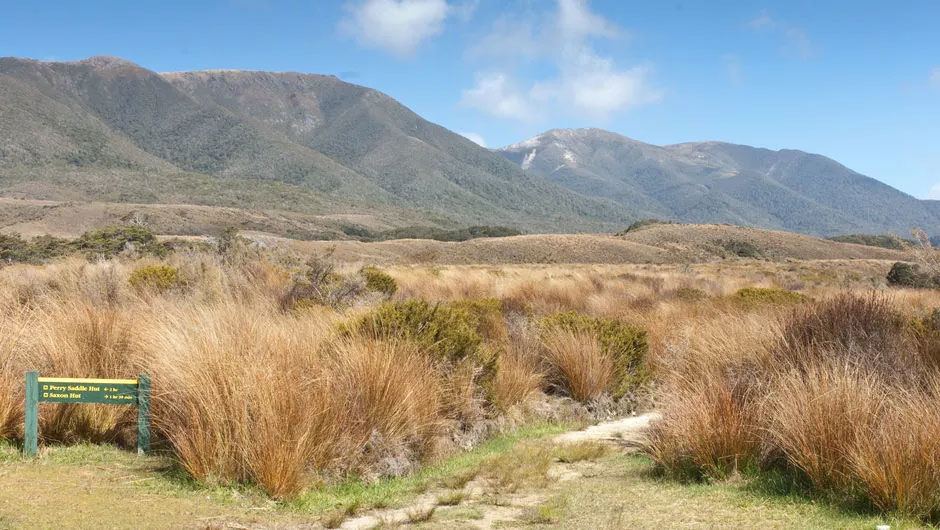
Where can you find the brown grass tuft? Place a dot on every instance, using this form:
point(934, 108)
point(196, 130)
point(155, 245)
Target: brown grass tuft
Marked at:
point(576, 364)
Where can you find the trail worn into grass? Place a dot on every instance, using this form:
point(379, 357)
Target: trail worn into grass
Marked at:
point(626, 431)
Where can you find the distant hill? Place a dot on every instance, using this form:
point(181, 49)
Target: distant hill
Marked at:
point(105, 129)
point(714, 182)
point(664, 243)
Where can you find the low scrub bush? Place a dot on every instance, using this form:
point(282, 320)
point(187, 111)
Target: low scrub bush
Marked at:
point(643, 223)
point(113, 240)
point(690, 294)
point(447, 333)
point(741, 249)
point(14, 249)
point(751, 297)
point(321, 285)
point(440, 234)
point(378, 281)
point(910, 275)
point(871, 240)
point(623, 345)
point(488, 317)
point(155, 278)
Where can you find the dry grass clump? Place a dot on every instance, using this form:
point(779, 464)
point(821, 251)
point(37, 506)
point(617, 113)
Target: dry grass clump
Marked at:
point(838, 390)
point(813, 418)
point(393, 399)
point(896, 455)
point(517, 377)
point(11, 380)
point(576, 364)
point(238, 395)
point(84, 341)
point(613, 353)
point(251, 395)
point(710, 426)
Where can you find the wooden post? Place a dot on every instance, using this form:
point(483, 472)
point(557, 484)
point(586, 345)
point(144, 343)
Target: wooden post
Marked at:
point(143, 414)
point(31, 431)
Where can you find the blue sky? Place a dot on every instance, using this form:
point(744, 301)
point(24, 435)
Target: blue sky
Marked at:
point(856, 81)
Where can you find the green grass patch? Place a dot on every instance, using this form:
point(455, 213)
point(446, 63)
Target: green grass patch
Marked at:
point(396, 491)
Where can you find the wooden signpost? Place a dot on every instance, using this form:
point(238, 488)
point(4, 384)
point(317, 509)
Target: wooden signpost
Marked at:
point(70, 390)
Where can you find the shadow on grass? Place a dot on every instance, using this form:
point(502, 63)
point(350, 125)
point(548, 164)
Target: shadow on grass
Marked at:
point(776, 482)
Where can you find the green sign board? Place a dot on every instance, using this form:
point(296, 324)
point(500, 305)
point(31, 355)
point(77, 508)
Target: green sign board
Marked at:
point(72, 390)
point(108, 391)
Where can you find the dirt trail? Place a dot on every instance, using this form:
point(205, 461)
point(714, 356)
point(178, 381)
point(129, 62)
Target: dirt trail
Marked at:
point(626, 432)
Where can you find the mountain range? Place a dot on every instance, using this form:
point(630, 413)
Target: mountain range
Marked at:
point(349, 157)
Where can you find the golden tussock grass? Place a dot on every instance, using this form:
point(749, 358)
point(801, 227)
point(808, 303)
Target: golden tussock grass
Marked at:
point(517, 379)
point(575, 362)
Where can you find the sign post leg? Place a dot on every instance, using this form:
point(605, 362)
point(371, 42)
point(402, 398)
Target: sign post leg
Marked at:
point(143, 414)
point(31, 431)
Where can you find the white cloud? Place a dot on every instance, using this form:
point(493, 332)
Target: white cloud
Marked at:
point(583, 82)
point(473, 137)
point(576, 21)
point(934, 78)
point(934, 193)
point(796, 40)
point(498, 95)
point(396, 26)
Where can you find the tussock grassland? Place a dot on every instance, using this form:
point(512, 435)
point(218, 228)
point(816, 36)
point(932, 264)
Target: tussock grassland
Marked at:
point(839, 393)
point(288, 372)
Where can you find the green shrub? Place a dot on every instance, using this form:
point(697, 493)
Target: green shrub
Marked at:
point(113, 240)
point(487, 317)
point(890, 242)
point(642, 223)
point(155, 277)
point(440, 234)
point(757, 296)
point(690, 294)
point(626, 344)
point(910, 275)
point(447, 332)
point(741, 249)
point(15, 249)
point(378, 281)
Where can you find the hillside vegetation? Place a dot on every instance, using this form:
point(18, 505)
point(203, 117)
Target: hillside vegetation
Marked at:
point(105, 129)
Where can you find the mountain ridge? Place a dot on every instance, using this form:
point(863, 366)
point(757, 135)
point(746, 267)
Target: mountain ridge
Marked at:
point(709, 182)
point(106, 130)
point(149, 129)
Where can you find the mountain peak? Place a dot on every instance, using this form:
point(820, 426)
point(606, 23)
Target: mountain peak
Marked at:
point(561, 136)
point(105, 61)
